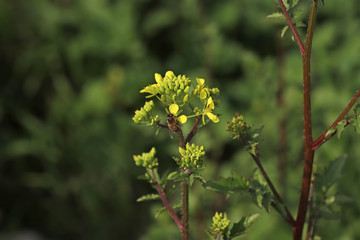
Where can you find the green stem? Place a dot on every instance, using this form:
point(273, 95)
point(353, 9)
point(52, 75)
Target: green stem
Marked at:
point(309, 152)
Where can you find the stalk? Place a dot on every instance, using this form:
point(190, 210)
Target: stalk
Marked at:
point(309, 152)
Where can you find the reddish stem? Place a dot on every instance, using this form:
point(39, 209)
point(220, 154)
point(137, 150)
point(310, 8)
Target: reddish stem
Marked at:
point(309, 152)
point(166, 203)
point(292, 27)
point(193, 130)
point(323, 138)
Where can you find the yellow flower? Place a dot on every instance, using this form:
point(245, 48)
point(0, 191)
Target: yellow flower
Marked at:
point(201, 90)
point(173, 109)
point(208, 111)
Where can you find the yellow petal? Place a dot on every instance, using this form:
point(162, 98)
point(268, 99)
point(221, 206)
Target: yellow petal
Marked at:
point(158, 78)
point(200, 81)
point(210, 104)
point(174, 108)
point(212, 117)
point(203, 94)
point(182, 119)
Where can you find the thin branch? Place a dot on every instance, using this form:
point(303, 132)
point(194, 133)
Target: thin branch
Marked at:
point(166, 203)
point(288, 218)
point(193, 130)
point(324, 137)
point(292, 27)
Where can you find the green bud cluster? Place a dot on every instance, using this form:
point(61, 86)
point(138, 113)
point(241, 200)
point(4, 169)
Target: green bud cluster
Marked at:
point(170, 89)
point(192, 157)
point(145, 115)
point(219, 224)
point(238, 127)
point(147, 160)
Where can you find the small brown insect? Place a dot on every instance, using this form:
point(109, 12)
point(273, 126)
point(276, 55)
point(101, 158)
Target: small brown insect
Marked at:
point(172, 123)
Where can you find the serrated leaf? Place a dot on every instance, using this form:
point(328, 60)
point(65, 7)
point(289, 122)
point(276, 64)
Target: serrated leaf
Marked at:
point(283, 31)
point(172, 175)
point(277, 16)
point(240, 227)
point(332, 172)
point(259, 192)
point(228, 186)
point(148, 197)
point(267, 200)
point(162, 209)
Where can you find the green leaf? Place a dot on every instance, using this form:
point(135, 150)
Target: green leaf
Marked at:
point(277, 16)
point(332, 173)
point(260, 193)
point(240, 227)
point(228, 186)
point(283, 31)
point(330, 131)
point(144, 177)
point(148, 197)
point(340, 127)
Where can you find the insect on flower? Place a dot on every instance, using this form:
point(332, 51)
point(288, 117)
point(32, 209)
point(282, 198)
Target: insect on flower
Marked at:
point(172, 123)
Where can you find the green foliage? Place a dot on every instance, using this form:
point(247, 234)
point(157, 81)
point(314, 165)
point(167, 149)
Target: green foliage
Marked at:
point(228, 186)
point(71, 74)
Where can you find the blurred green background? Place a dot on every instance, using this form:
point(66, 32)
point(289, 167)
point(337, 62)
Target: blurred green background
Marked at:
point(71, 72)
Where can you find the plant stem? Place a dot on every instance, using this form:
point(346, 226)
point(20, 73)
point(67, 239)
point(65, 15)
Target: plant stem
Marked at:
point(185, 211)
point(288, 218)
point(193, 130)
point(185, 196)
point(323, 138)
point(309, 152)
point(292, 27)
point(166, 203)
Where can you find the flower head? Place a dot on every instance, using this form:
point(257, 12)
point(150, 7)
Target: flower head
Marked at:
point(145, 115)
point(220, 223)
point(170, 88)
point(192, 157)
point(147, 160)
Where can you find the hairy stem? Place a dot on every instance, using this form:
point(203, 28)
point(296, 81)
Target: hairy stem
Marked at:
point(292, 27)
point(323, 138)
point(185, 211)
point(309, 152)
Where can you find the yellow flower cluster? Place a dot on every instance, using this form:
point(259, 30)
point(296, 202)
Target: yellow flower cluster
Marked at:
point(145, 115)
point(147, 160)
point(170, 88)
point(176, 92)
point(220, 223)
point(192, 157)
